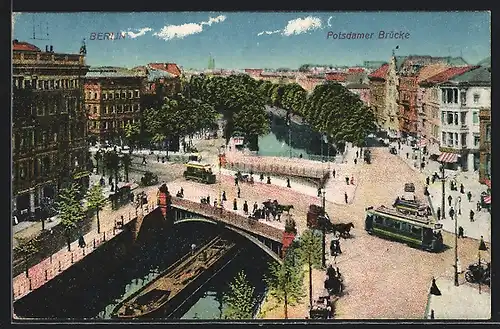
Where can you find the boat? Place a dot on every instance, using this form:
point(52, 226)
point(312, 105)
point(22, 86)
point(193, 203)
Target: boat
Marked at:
point(161, 296)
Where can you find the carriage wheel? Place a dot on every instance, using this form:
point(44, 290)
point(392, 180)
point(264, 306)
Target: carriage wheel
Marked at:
point(469, 277)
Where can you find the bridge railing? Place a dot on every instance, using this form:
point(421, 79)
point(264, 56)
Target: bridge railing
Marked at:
point(231, 218)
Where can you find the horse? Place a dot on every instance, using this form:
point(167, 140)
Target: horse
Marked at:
point(343, 229)
point(282, 208)
point(271, 205)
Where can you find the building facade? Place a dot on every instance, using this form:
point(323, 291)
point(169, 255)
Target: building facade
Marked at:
point(462, 98)
point(485, 144)
point(113, 100)
point(390, 111)
point(377, 93)
point(49, 146)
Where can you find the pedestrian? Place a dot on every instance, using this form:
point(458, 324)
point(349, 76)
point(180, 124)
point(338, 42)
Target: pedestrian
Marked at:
point(255, 207)
point(357, 154)
point(345, 197)
point(224, 196)
point(235, 181)
point(268, 180)
point(449, 200)
point(158, 157)
point(438, 213)
point(471, 215)
point(182, 191)
point(434, 288)
point(460, 232)
point(288, 182)
point(452, 213)
point(300, 156)
point(462, 188)
point(478, 206)
point(333, 173)
point(426, 191)
point(235, 204)
point(215, 203)
point(355, 161)
point(208, 200)
point(433, 178)
point(319, 192)
point(163, 159)
point(261, 177)
point(407, 155)
point(469, 196)
point(352, 179)
point(245, 207)
point(427, 180)
point(239, 192)
point(144, 160)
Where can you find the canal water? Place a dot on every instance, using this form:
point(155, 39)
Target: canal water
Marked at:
point(158, 255)
point(301, 139)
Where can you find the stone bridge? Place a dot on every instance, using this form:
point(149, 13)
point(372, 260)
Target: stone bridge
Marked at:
point(267, 237)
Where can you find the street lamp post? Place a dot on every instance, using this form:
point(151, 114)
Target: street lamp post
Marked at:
point(443, 201)
point(459, 200)
point(323, 227)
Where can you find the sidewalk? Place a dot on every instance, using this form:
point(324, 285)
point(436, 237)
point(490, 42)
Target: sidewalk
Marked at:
point(463, 302)
point(482, 223)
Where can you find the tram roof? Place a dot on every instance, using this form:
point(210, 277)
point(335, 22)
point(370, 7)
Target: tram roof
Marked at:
point(198, 164)
point(399, 216)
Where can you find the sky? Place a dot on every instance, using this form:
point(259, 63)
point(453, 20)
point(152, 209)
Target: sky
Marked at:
point(238, 40)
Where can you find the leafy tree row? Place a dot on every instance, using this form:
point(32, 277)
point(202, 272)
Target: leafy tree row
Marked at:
point(330, 109)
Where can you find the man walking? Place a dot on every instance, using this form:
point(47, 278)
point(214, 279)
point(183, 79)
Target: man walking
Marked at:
point(471, 215)
point(452, 213)
point(144, 160)
point(427, 180)
point(255, 207)
point(449, 200)
point(208, 200)
point(357, 154)
point(345, 197)
point(239, 192)
point(460, 232)
point(235, 204)
point(469, 196)
point(333, 173)
point(288, 183)
point(347, 180)
point(438, 213)
point(245, 207)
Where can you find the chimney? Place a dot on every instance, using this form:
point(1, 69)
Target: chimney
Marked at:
point(51, 49)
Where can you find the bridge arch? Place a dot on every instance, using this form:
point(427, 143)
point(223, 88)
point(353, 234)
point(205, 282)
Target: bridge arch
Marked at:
point(244, 234)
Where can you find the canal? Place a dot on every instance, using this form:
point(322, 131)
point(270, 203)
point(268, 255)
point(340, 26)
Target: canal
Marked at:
point(300, 139)
point(96, 298)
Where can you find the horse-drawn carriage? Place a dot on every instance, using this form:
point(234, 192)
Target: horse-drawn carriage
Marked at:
point(317, 218)
point(478, 273)
point(334, 282)
point(149, 179)
point(245, 178)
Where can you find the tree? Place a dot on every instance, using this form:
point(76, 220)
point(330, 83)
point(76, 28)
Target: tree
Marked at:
point(285, 281)
point(96, 201)
point(70, 210)
point(26, 247)
point(98, 157)
point(240, 300)
point(132, 133)
point(310, 253)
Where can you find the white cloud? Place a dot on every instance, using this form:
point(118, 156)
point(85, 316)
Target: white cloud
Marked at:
point(140, 32)
point(268, 32)
point(302, 25)
point(170, 32)
point(14, 17)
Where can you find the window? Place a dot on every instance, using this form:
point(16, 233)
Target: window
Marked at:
point(111, 95)
point(477, 138)
point(104, 96)
point(378, 220)
point(464, 139)
point(106, 108)
point(476, 98)
point(456, 139)
point(450, 139)
point(450, 118)
point(416, 230)
point(488, 132)
point(117, 95)
point(463, 117)
point(130, 94)
point(113, 108)
point(40, 109)
point(443, 138)
point(475, 118)
point(456, 119)
point(120, 108)
point(137, 94)
point(52, 107)
point(106, 125)
point(124, 95)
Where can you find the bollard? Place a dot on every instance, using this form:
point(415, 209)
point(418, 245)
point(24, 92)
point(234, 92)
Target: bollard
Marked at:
point(46, 275)
point(71, 258)
point(104, 238)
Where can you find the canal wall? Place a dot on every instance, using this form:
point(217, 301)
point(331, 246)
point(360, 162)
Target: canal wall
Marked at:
point(63, 296)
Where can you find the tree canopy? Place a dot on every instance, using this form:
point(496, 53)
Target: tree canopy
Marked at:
point(240, 300)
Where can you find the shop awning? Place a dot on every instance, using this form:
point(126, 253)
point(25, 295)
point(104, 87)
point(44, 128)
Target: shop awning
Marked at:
point(448, 157)
point(487, 199)
point(422, 143)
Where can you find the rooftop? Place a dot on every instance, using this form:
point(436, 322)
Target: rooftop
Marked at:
point(447, 74)
point(478, 75)
point(23, 46)
point(171, 68)
point(357, 86)
point(335, 76)
point(112, 72)
point(485, 62)
point(380, 73)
